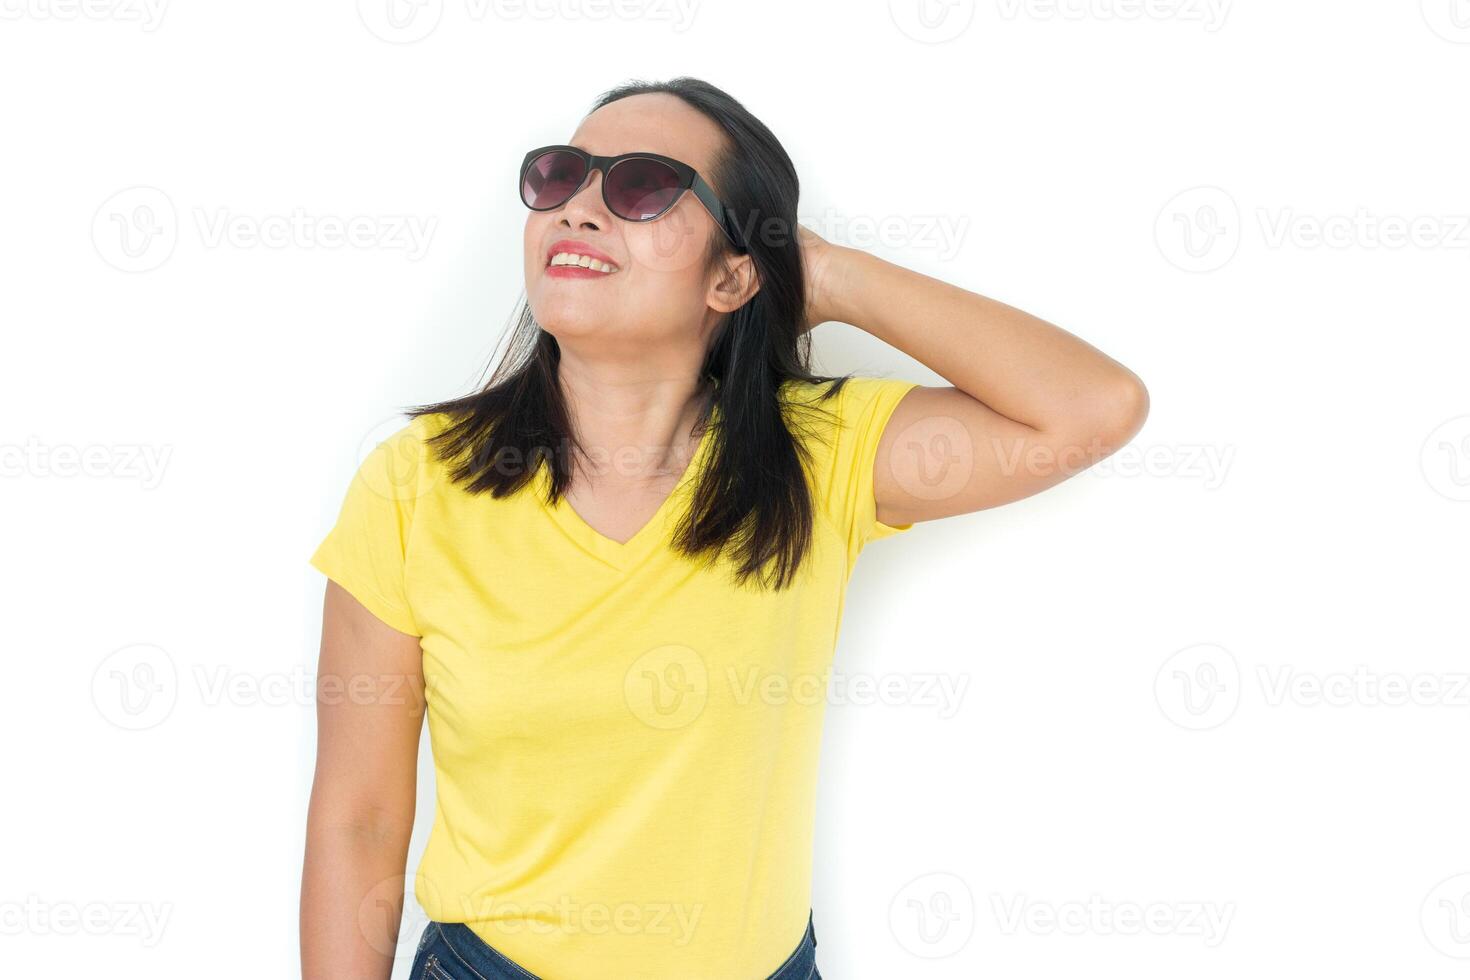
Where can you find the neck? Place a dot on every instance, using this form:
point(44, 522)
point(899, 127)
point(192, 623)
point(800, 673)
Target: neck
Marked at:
point(633, 425)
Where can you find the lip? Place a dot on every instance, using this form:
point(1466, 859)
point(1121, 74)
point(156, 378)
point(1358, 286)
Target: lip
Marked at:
point(581, 248)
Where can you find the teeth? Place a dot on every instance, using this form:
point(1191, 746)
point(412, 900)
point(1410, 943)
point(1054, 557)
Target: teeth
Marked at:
point(572, 258)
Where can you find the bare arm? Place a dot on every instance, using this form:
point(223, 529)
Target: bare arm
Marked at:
point(1031, 404)
point(369, 714)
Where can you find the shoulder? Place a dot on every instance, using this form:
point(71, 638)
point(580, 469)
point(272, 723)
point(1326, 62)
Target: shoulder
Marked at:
point(417, 434)
point(840, 424)
point(849, 388)
point(846, 403)
point(402, 466)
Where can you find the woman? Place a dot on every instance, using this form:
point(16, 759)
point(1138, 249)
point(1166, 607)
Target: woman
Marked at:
point(615, 574)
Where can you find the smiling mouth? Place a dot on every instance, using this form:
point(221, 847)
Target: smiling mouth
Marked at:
point(571, 260)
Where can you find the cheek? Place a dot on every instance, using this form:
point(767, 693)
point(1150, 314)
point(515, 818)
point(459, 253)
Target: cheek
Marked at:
point(531, 239)
point(671, 248)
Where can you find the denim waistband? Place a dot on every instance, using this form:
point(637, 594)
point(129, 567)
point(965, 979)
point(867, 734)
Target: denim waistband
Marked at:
point(447, 948)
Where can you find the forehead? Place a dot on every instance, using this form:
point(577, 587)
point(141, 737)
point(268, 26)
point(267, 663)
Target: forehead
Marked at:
point(655, 122)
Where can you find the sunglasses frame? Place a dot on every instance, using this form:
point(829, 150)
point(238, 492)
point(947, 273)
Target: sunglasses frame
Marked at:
point(689, 180)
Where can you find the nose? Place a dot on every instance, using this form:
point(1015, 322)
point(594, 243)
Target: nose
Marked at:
point(586, 208)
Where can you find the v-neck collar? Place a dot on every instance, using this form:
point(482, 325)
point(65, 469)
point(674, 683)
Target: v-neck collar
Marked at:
point(649, 537)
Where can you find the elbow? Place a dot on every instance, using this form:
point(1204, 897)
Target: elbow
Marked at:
point(1122, 414)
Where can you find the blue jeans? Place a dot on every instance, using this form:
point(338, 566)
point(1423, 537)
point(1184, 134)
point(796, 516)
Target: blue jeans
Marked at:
point(452, 951)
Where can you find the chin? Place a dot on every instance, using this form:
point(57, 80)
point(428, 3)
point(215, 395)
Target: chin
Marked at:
point(566, 320)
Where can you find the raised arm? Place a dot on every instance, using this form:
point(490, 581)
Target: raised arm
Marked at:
point(370, 711)
point(1030, 406)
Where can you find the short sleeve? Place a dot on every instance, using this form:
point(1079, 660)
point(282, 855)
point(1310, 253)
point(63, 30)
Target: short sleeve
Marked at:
point(863, 407)
point(366, 551)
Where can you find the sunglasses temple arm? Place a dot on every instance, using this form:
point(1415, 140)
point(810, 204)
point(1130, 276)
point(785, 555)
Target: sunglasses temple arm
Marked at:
point(723, 216)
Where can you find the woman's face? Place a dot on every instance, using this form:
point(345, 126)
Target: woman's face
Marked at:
point(660, 292)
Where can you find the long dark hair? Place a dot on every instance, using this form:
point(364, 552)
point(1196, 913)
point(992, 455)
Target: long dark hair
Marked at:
point(751, 498)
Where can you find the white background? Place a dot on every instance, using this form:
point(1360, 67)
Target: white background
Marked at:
point(1180, 673)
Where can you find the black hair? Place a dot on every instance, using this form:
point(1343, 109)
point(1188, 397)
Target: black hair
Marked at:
point(751, 500)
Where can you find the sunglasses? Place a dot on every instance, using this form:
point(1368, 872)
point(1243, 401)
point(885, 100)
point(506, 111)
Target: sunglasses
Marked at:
point(635, 186)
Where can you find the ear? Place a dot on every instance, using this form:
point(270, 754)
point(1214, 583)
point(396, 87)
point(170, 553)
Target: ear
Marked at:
point(735, 283)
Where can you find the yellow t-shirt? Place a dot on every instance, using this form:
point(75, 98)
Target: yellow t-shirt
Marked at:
point(625, 744)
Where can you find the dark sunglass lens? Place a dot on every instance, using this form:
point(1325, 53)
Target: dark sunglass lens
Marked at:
point(639, 189)
point(551, 179)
